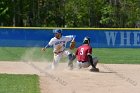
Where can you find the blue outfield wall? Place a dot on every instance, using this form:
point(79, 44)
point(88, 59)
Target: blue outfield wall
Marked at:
point(100, 38)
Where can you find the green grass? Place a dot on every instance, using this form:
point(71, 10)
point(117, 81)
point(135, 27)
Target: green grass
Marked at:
point(22, 53)
point(7, 54)
point(105, 55)
point(19, 83)
point(118, 55)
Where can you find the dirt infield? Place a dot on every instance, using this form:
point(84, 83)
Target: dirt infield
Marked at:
point(112, 78)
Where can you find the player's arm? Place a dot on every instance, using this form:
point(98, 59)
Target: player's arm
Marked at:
point(70, 38)
point(72, 43)
point(48, 45)
point(73, 38)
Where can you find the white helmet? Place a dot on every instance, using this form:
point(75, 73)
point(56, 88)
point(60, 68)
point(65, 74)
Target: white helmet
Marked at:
point(86, 40)
point(57, 31)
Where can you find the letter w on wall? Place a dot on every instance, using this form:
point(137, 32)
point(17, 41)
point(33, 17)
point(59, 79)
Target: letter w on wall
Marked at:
point(111, 37)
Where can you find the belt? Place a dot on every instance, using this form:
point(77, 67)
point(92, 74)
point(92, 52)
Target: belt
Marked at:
point(58, 52)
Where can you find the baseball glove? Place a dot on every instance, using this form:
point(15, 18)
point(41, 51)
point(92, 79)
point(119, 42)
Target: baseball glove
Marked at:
point(72, 44)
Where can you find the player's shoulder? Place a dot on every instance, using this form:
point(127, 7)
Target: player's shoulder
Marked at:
point(85, 46)
point(82, 46)
point(90, 47)
point(53, 39)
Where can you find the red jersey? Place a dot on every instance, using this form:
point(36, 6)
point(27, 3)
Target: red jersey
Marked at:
point(82, 52)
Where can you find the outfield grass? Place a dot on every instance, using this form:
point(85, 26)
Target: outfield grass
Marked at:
point(19, 83)
point(22, 53)
point(105, 55)
point(118, 55)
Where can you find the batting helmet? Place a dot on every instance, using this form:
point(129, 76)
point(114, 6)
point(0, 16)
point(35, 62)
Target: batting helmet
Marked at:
point(55, 31)
point(86, 40)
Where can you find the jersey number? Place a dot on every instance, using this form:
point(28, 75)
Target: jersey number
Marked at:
point(81, 51)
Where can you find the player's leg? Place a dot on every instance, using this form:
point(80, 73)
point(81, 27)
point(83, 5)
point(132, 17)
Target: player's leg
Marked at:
point(78, 65)
point(71, 58)
point(57, 58)
point(82, 64)
point(85, 64)
point(93, 62)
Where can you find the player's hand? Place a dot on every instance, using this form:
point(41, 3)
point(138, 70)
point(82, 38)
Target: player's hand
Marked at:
point(43, 49)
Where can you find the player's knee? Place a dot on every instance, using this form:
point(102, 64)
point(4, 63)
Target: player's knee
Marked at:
point(71, 57)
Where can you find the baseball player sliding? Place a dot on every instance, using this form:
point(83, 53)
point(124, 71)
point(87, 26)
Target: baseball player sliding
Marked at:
point(84, 56)
point(59, 44)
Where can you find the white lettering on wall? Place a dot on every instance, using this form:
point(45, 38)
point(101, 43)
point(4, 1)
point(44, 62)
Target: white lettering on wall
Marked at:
point(111, 37)
point(125, 37)
point(136, 38)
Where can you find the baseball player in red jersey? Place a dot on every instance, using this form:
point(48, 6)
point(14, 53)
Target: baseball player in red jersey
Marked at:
point(84, 56)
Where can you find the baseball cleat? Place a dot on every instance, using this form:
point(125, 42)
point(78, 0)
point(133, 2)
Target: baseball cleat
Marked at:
point(94, 70)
